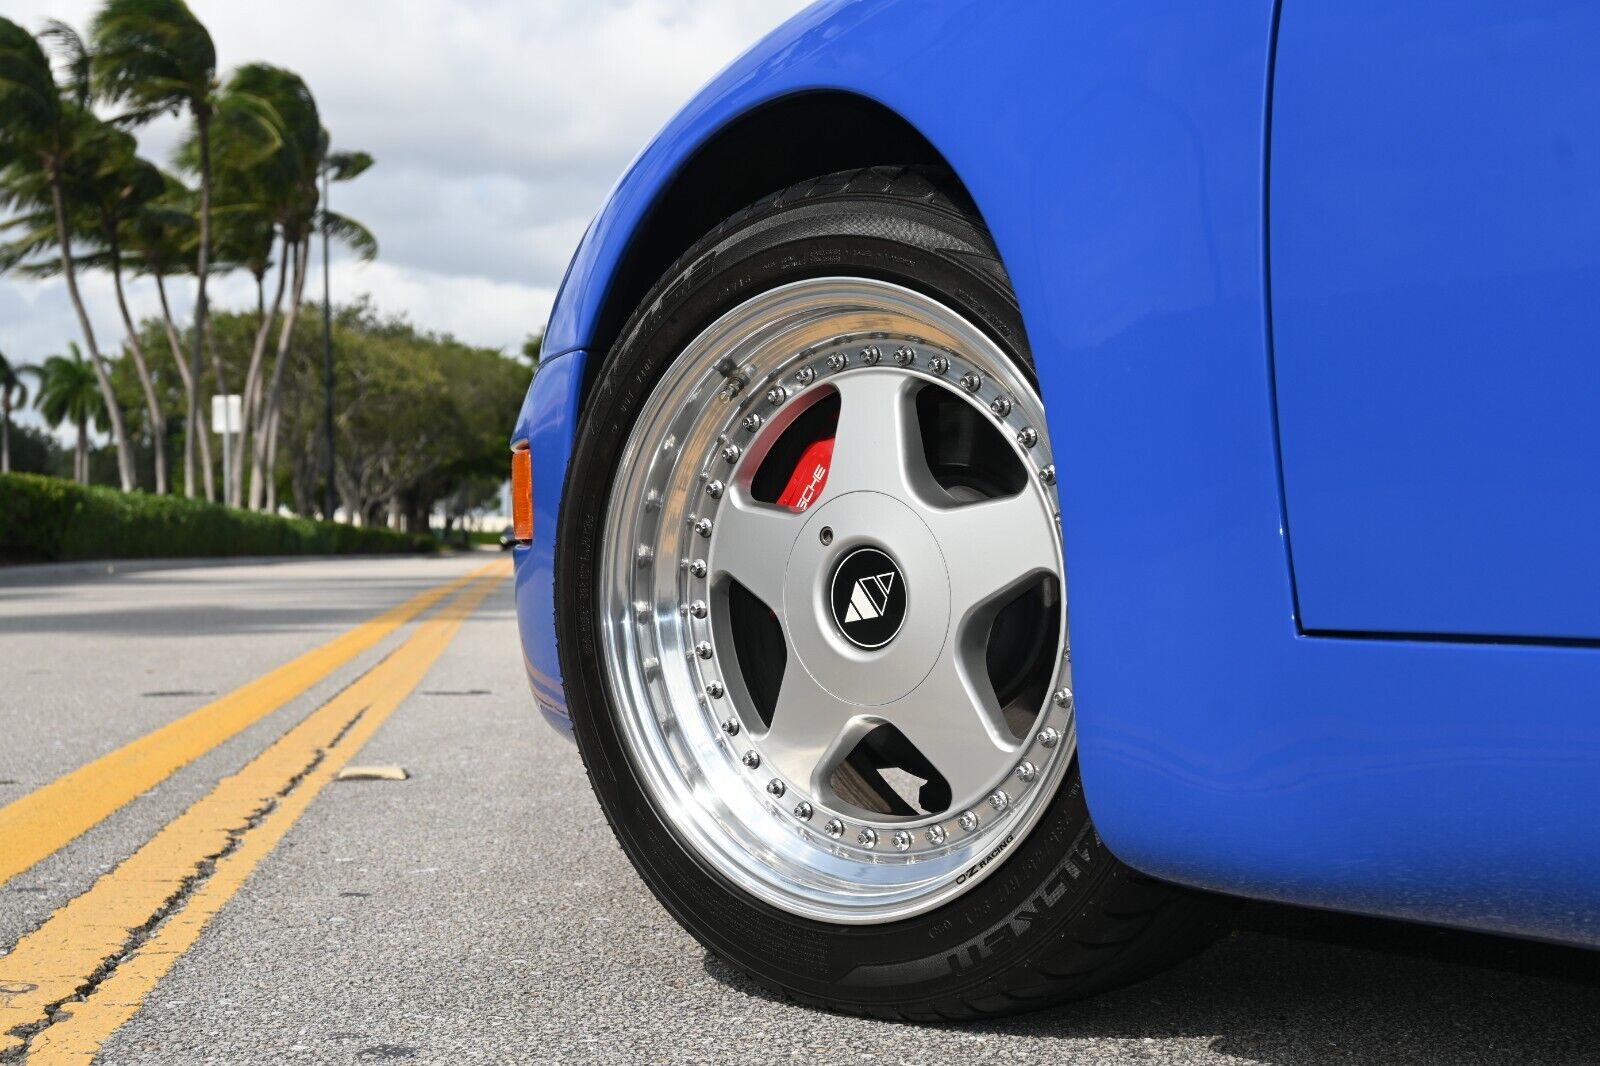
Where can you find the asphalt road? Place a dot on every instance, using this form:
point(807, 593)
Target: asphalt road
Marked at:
point(481, 912)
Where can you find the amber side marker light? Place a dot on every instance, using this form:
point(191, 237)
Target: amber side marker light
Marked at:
point(522, 493)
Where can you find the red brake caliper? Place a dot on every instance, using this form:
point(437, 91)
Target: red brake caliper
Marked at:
point(810, 474)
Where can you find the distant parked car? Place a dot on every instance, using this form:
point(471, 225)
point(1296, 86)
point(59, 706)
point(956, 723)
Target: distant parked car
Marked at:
point(1268, 329)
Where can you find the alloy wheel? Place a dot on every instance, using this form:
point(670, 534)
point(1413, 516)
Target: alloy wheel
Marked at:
point(834, 613)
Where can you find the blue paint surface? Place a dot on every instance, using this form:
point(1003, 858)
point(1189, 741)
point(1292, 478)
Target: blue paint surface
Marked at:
point(1435, 220)
point(548, 422)
point(1118, 153)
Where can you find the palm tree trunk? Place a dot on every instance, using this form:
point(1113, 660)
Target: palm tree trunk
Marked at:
point(195, 434)
point(267, 440)
point(158, 421)
point(252, 381)
point(5, 431)
point(119, 432)
point(80, 456)
point(202, 120)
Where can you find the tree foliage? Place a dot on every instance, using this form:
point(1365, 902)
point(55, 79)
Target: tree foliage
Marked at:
point(417, 415)
point(420, 416)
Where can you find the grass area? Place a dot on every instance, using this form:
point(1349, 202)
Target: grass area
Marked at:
point(44, 519)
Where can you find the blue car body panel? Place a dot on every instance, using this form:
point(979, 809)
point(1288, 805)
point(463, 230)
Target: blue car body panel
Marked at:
point(1436, 308)
point(548, 425)
point(1119, 154)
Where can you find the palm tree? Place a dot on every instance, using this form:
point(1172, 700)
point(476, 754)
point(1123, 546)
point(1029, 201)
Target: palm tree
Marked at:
point(158, 237)
point(13, 394)
point(121, 185)
point(158, 58)
point(266, 123)
point(246, 237)
point(107, 192)
point(44, 142)
point(298, 231)
point(281, 187)
point(69, 392)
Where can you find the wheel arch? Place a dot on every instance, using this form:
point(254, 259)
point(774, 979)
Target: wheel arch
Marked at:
point(773, 145)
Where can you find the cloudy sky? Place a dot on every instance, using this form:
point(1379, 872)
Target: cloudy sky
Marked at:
point(498, 126)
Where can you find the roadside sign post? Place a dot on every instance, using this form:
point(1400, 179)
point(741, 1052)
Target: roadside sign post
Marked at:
point(227, 416)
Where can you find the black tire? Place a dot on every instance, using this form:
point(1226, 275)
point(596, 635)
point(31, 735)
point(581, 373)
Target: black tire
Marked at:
point(1063, 918)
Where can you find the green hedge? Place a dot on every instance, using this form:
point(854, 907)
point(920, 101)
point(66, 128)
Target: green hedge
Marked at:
point(45, 519)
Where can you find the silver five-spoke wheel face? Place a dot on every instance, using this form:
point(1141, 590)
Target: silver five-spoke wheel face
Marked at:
point(834, 616)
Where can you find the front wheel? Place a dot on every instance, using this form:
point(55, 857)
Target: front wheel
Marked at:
point(813, 620)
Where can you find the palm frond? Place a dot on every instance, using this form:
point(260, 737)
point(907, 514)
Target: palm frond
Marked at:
point(342, 166)
point(352, 234)
point(152, 55)
point(28, 97)
point(68, 45)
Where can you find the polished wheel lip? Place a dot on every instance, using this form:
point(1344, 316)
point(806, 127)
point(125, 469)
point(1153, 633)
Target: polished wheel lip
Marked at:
point(685, 724)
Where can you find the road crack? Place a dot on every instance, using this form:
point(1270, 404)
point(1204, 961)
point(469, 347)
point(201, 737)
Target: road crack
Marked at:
point(139, 935)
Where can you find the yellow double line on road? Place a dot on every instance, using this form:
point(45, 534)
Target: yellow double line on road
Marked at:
point(47, 819)
point(69, 984)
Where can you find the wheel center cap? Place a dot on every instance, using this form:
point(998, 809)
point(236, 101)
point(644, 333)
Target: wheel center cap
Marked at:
point(868, 597)
point(868, 605)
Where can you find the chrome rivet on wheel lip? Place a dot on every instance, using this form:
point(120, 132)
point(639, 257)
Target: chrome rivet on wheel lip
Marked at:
point(776, 395)
point(714, 489)
point(1027, 436)
point(714, 689)
point(867, 838)
point(870, 355)
point(999, 800)
point(703, 649)
point(730, 726)
point(730, 454)
point(1049, 737)
point(644, 555)
point(968, 820)
point(1000, 406)
point(802, 811)
point(835, 828)
point(775, 787)
point(699, 568)
point(642, 610)
point(752, 759)
point(1047, 474)
point(1062, 697)
point(971, 381)
point(838, 361)
point(902, 840)
point(905, 356)
point(805, 375)
point(939, 364)
point(936, 835)
point(752, 422)
point(652, 500)
point(698, 608)
point(703, 527)
point(650, 664)
point(1026, 771)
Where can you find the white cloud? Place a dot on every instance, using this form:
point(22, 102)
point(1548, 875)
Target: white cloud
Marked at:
point(497, 126)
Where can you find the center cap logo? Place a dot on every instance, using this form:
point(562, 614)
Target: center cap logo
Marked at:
point(868, 598)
